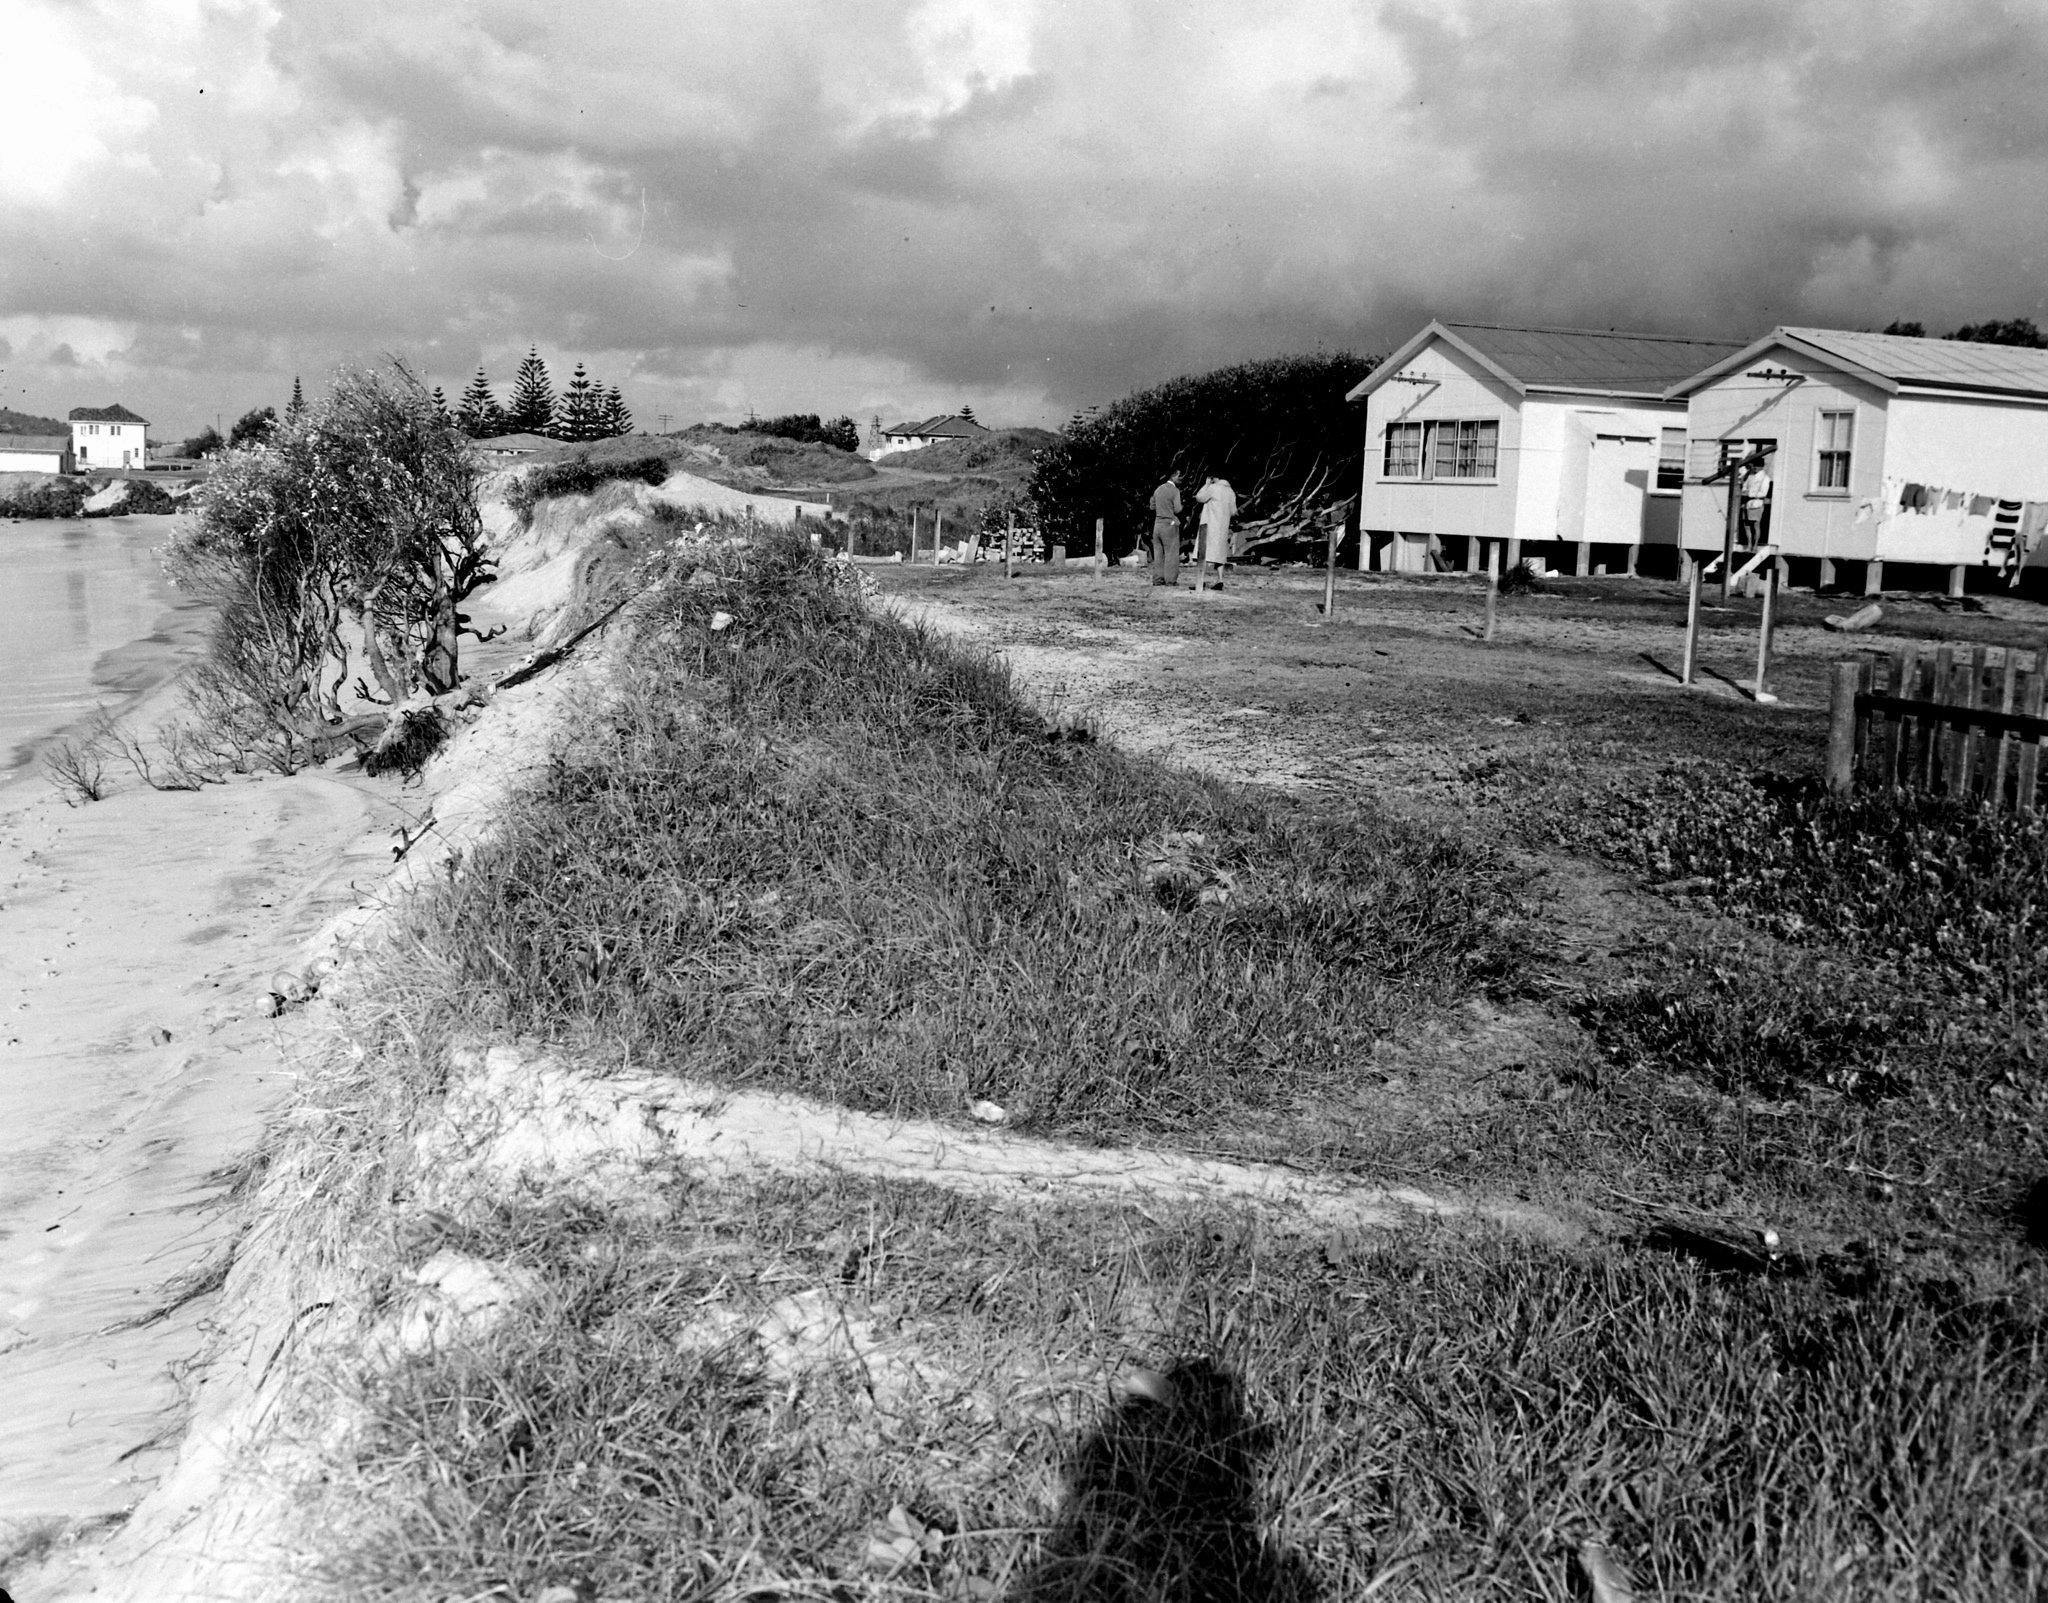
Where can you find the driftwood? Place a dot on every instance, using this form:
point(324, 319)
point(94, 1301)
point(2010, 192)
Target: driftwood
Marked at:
point(541, 661)
point(1721, 1245)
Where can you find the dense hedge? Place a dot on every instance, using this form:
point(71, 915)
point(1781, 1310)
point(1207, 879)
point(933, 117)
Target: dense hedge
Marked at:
point(1274, 428)
point(579, 476)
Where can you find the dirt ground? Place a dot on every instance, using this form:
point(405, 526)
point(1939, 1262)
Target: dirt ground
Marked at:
point(1399, 700)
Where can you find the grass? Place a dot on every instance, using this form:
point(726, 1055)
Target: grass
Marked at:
point(1443, 1418)
point(818, 848)
point(809, 846)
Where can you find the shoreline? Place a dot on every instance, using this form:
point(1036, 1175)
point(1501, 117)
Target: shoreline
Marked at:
point(129, 680)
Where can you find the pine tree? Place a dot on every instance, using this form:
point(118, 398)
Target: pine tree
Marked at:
point(441, 403)
point(533, 397)
point(297, 403)
point(479, 415)
point(580, 416)
point(617, 420)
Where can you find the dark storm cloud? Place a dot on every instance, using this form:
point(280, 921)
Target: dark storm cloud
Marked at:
point(1031, 205)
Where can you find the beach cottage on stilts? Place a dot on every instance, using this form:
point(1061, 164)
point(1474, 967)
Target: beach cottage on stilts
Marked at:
point(1891, 459)
point(1559, 444)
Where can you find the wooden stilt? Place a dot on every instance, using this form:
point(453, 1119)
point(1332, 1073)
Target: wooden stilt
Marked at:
point(1873, 577)
point(1692, 620)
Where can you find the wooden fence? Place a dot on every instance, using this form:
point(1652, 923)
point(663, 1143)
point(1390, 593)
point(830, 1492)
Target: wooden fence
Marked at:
point(1961, 721)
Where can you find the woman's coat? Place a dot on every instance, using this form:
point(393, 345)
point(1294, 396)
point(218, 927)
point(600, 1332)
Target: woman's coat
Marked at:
point(1219, 506)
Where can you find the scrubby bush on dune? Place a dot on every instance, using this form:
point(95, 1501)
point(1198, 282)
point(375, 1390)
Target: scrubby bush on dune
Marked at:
point(580, 475)
point(344, 546)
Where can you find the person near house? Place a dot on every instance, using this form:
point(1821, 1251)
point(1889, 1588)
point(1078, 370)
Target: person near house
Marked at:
point(1756, 502)
point(1166, 532)
point(1219, 506)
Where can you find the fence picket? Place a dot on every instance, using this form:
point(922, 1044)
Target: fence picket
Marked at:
point(2002, 763)
point(2030, 745)
point(1868, 736)
point(1898, 737)
point(1968, 742)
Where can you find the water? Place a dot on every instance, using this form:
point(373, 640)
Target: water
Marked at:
point(86, 618)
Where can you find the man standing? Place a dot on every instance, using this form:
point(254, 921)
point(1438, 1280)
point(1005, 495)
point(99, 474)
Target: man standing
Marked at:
point(1219, 506)
point(1166, 532)
point(1756, 502)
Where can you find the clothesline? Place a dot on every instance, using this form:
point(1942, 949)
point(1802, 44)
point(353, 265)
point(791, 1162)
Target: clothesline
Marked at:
point(2013, 529)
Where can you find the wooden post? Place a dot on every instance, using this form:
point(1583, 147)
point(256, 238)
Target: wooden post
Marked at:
point(1899, 736)
point(1842, 727)
point(1330, 573)
point(1635, 550)
point(1472, 553)
point(1009, 545)
point(1955, 582)
point(1492, 586)
point(1728, 537)
point(1099, 563)
point(1514, 552)
point(1827, 574)
point(1934, 759)
point(1585, 560)
point(1873, 577)
point(2002, 763)
point(939, 535)
point(2030, 748)
point(1694, 569)
point(1970, 749)
point(913, 534)
point(1763, 631)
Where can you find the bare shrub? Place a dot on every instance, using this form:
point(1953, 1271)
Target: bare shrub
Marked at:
point(78, 768)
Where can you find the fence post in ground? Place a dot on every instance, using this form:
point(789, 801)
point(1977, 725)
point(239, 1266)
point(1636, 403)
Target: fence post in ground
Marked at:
point(1099, 564)
point(1492, 585)
point(939, 533)
point(2002, 763)
point(913, 534)
point(1330, 572)
point(2030, 749)
point(1763, 631)
point(1842, 727)
point(1694, 569)
point(1009, 545)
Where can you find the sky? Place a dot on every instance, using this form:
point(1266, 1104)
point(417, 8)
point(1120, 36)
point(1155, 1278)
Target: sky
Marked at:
point(1029, 206)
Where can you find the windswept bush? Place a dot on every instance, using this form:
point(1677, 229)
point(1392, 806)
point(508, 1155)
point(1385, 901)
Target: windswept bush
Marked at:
point(1278, 430)
point(580, 475)
point(808, 429)
point(343, 547)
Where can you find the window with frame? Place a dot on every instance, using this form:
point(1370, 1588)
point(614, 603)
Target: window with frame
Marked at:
point(1671, 459)
point(1834, 440)
point(1404, 451)
point(1464, 448)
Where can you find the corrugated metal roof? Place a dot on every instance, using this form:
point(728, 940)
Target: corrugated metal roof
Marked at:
point(1567, 358)
point(1945, 364)
point(42, 443)
point(936, 427)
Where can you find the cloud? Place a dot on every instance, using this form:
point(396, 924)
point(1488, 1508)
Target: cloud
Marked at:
point(1029, 205)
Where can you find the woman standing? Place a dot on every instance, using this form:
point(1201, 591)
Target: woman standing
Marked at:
point(1219, 506)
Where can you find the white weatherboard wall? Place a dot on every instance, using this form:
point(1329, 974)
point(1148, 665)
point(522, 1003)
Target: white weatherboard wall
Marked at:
point(1448, 386)
point(1589, 469)
point(1805, 520)
point(1981, 447)
point(109, 445)
point(31, 461)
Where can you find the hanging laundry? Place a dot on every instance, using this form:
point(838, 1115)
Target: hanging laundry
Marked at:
point(1951, 499)
point(1981, 505)
point(1910, 498)
point(1865, 509)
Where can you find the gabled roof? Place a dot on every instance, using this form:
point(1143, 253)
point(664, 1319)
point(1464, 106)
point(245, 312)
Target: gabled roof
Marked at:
point(951, 425)
point(1578, 361)
point(104, 414)
point(47, 444)
point(1892, 362)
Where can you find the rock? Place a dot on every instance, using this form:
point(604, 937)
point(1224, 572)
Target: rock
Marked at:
point(269, 1005)
point(987, 1112)
point(159, 1037)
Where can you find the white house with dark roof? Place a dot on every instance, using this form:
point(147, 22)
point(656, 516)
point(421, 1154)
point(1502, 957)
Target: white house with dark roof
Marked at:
point(1560, 439)
point(929, 431)
point(1884, 450)
point(108, 437)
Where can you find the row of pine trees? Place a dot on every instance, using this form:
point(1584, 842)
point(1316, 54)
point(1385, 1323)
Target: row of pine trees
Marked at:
point(585, 410)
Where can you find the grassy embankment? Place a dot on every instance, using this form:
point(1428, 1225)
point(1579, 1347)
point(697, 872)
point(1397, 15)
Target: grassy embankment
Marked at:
point(819, 849)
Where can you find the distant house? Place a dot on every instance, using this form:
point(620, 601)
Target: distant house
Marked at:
point(933, 430)
point(1883, 449)
point(30, 444)
point(1561, 439)
point(108, 437)
point(514, 447)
